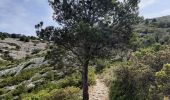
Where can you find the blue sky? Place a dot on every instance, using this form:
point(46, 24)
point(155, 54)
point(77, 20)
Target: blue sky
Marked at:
point(20, 16)
point(154, 8)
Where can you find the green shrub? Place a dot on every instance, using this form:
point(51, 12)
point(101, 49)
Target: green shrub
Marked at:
point(7, 96)
point(168, 30)
point(41, 95)
point(2, 37)
point(35, 78)
point(24, 75)
point(35, 51)
point(18, 47)
point(27, 40)
point(144, 51)
point(163, 80)
point(46, 69)
point(36, 42)
point(27, 57)
point(19, 90)
point(2, 91)
point(24, 39)
point(13, 44)
point(91, 76)
point(45, 86)
point(154, 59)
point(120, 91)
point(123, 88)
point(49, 75)
point(100, 65)
point(4, 63)
point(6, 56)
point(132, 82)
point(157, 47)
point(73, 80)
point(69, 93)
point(33, 38)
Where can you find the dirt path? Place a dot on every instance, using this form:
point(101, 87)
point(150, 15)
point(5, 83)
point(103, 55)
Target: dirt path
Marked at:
point(99, 91)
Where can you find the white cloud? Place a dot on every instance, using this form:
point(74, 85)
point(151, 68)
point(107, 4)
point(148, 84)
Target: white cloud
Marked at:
point(145, 3)
point(165, 12)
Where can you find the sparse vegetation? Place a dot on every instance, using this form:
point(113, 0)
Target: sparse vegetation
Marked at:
point(24, 39)
point(35, 51)
point(14, 80)
point(4, 63)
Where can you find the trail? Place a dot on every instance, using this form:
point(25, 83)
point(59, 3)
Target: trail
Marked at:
point(99, 91)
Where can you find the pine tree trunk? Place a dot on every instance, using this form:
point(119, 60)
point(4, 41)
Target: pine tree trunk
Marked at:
point(85, 80)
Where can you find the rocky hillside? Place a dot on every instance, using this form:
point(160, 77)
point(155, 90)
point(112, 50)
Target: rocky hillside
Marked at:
point(18, 49)
point(19, 64)
point(25, 74)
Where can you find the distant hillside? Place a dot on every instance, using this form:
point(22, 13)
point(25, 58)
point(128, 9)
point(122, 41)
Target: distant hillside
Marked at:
point(24, 38)
point(160, 25)
point(19, 49)
point(163, 19)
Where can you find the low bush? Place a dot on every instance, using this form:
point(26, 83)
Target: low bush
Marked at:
point(27, 57)
point(157, 47)
point(100, 65)
point(6, 56)
point(91, 76)
point(37, 77)
point(154, 59)
point(69, 93)
point(35, 51)
point(4, 63)
point(24, 39)
point(2, 37)
point(2, 91)
point(17, 47)
point(168, 30)
point(163, 81)
point(19, 90)
point(41, 95)
point(46, 69)
point(123, 88)
point(7, 96)
point(45, 86)
point(144, 51)
point(73, 80)
point(24, 75)
point(49, 76)
point(132, 82)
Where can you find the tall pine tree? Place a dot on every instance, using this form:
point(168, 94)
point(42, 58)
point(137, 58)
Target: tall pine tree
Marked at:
point(91, 28)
